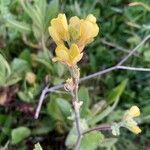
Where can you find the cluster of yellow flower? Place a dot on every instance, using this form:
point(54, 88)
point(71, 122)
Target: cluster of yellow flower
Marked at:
point(129, 121)
point(73, 37)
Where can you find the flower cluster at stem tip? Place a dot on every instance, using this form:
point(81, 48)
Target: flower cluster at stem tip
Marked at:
point(72, 37)
point(129, 121)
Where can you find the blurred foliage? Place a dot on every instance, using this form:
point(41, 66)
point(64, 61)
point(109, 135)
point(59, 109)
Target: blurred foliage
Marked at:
point(25, 46)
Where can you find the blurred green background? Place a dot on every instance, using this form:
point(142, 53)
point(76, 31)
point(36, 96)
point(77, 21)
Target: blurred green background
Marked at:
point(26, 68)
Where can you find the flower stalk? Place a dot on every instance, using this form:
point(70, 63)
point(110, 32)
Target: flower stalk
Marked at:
point(75, 74)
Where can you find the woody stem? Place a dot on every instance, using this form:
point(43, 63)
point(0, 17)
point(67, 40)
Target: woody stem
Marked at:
point(76, 106)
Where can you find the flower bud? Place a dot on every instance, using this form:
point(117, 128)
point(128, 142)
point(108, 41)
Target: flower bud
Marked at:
point(30, 77)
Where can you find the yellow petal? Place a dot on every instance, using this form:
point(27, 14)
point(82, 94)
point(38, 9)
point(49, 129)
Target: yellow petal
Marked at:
point(61, 27)
point(74, 21)
point(60, 21)
point(62, 53)
point(135, 129)
point(91, 18)
point(74, 51)
point(77, 58)
point(134, 111)
point(55, 35)
point(74, 28)
point(63, 19)
point(88, 31)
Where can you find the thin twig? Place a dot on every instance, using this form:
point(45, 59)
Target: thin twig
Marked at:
point(98, 128)
point(52, 89)
point(133, 68)
point(103, 41)
point(98, 73)
point(118, 66)
point(41, 101)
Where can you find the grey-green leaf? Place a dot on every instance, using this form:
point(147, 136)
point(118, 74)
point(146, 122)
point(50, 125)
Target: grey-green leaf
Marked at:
point(91, 141)
point(85, 98)
point(108, 143)
point(21, 26)
point(19, 134)
point(72, 136)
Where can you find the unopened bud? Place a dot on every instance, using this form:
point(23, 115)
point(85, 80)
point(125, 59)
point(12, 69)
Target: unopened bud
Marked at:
point(30, 77)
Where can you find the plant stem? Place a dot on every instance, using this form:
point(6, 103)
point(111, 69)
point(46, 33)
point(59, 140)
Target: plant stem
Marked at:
point(76, 105)
point(105, 127)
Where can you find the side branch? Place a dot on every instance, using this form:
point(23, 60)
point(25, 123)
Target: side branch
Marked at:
point(44, 92)
point(106, 127)
point(133, 68)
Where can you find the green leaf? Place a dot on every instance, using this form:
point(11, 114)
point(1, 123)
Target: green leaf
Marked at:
point(95, 119)
point(37, 33)
point(13, 80)
point(117, 91)
point(21, 26)
point(43, 126)
point(108, 143)
point(85, 98)
point(59, 109)
point(92, 62)
point(37, 147)
point(53, 9)
point(24, 96)
point(26, 55)
point(114, 96)
point(5, 70)
point(91, 141)
point(64, 106)
point(4, 66)
point(57, 81)
point(72, 136)
point(19, 66)
point(54, 110)
point(42, 60)
point(19, 134)
point(147, 55)
point(33, 12)
point(60, 69)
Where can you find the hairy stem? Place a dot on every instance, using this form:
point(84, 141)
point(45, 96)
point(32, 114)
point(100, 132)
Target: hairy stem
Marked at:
point(76, 105)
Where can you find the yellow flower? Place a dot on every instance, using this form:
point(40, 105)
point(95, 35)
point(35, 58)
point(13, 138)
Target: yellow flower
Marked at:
point(135, 129)
point(68, 56)
point(59, 29)
point(77, 34)
point(83, 31)
point(134, 111)
point(129, 121)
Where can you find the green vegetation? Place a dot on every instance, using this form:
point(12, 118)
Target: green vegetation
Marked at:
point(26, 68)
